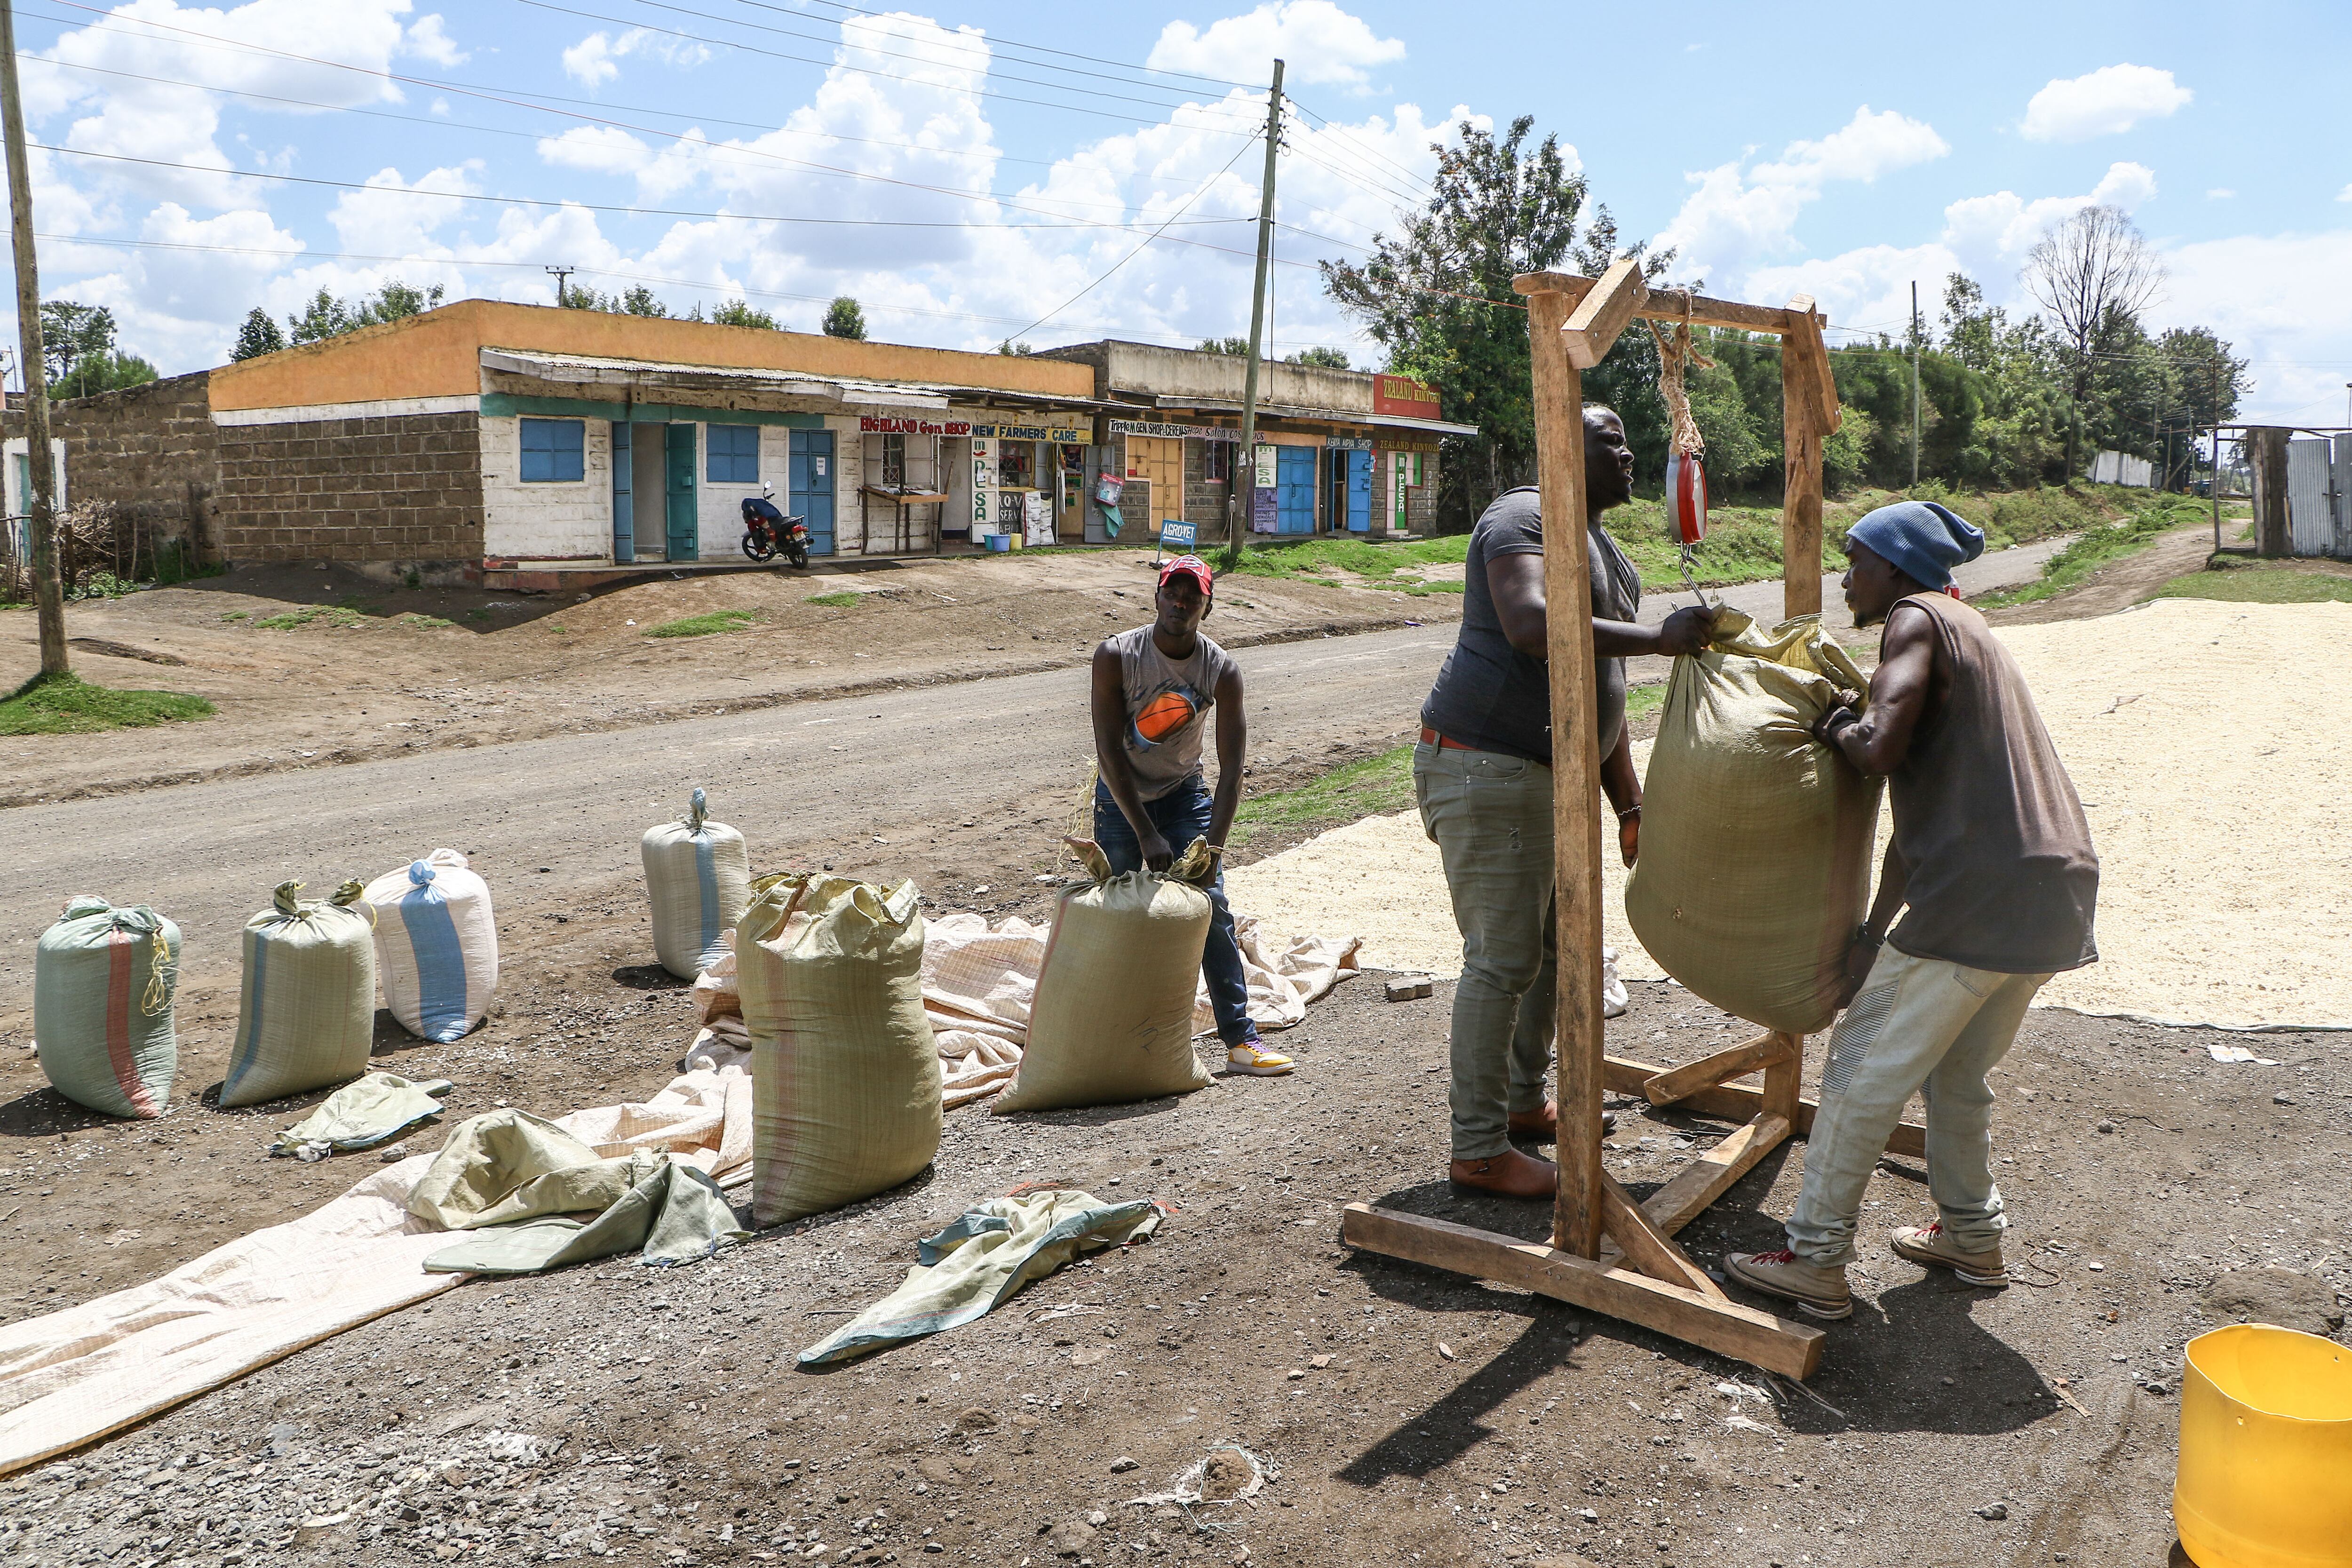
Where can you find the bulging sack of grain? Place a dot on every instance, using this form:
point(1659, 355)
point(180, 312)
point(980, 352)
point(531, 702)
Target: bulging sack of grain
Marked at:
point(306, 1015)
point(698, 875)
point(436, 945)
point(845, 1078)
point(102, 984)
point(1756, 838)
point(1112, 1021)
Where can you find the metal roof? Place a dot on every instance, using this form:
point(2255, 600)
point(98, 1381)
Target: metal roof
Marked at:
point(1328, 416)
point(853, 392)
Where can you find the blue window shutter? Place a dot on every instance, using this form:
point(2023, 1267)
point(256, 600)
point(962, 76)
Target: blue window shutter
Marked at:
point(733, 457)
point(553, 451)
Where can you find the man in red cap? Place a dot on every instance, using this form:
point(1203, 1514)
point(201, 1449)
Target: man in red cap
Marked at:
point(1152, 686)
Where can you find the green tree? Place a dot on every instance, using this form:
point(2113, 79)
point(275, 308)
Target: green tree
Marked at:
point(326, 316)
point(845, 318)
point(79, 350)
point(258, 336)
point(742, 313)
point(1436, 296)
point(2090, 274)
point(638, 301)
point(1329, 359)
point(1231, 348)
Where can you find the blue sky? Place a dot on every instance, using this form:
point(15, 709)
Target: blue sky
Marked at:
point(983, 170)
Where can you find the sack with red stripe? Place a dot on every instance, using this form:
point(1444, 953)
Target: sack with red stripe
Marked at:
point(103, 983)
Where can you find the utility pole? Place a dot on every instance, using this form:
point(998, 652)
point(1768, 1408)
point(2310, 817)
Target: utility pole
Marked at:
point(561, 274)
point(1237, 524)
point(49, 593)
point(1914, 384)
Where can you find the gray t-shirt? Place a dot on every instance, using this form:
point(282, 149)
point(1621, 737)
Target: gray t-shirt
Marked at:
point(1489, 694)
point(1167, 702)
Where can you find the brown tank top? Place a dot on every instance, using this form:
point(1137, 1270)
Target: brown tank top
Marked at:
point(2002, 873)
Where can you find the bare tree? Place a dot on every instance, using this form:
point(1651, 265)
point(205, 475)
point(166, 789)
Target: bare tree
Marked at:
point(2085, 273)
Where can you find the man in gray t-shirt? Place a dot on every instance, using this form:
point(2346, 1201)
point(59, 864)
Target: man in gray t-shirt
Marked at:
point(1482, 775)
point(1152, 688)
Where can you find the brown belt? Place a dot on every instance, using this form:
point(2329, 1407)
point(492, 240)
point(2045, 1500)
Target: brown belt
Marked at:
point(1430, 737)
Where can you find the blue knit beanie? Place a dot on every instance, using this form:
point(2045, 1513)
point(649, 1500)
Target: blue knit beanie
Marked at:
point(1919, 539)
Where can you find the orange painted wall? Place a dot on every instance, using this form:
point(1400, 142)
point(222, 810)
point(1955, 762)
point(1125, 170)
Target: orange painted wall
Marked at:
point(438, 354)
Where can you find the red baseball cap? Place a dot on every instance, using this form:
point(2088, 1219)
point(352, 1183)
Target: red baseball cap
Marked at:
point(1195, 568)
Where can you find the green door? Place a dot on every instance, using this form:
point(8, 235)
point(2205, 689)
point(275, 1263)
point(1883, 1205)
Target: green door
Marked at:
point(684, 530)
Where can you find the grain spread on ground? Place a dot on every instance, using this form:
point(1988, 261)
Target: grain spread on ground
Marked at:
point(2197, 733)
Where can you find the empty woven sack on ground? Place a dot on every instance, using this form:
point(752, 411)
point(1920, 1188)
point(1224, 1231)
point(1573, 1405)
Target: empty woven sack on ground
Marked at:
point(306, 1015)
point(844, 1073)
point(436, 945)
point(1756, 838)
point(103, 980)
point(1112, 1021)
point(699, 876)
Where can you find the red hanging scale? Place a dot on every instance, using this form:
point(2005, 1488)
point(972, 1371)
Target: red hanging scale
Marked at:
point(1686, 466)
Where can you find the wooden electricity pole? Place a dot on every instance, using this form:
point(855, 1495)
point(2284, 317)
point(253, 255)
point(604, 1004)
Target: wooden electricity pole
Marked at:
point(49, 593)
point(1914, 385)
point(1238, 523)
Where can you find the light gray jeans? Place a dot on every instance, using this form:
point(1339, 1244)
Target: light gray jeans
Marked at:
point(1490, 817)
point(1918, 1026)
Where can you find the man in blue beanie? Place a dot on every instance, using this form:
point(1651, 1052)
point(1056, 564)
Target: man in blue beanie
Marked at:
point(1992, 857)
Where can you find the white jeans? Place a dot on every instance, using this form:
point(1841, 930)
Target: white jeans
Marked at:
point(1918, 1026)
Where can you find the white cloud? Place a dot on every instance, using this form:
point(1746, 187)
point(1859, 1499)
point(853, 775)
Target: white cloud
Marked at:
point(2344, 194)
point(1737, 215)
point(2220, 193)
point(428, 39)
point(1321, 44)
point(1866, 291)
point(595, 59)
point(1992, 234)
point(2105, 101)
point(2296, 328)
point(393, 216)
point(597, 148)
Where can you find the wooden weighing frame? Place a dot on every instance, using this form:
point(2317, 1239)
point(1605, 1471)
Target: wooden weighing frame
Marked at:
point(1609, 1253)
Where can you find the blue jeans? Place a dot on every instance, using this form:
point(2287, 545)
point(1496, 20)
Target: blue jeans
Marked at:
point(1182, 815)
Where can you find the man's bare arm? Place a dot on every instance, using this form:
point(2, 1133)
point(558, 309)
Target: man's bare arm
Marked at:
point(1233, 745)
point(1516, 583)
point(1879, 740)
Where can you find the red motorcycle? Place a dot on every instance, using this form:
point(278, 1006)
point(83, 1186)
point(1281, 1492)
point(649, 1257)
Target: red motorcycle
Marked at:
point(767, 530)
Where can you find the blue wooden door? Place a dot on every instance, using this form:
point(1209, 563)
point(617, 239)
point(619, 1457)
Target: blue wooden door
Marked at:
point(812, 487)
point(683, 528)
point(1360, 492)
point(625, 506)
point(1294, 489)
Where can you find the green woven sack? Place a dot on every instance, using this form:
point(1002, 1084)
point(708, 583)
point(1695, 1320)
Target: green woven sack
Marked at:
point(1756, 838)
point(846, 1077)
point(306, 1015)
point(103, 980)
point(1112, 1022)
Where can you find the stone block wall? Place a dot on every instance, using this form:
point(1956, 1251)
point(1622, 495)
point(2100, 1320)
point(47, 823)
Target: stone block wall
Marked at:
point(403, 491)
point(149, 449)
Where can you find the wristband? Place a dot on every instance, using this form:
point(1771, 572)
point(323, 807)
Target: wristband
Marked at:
point(1633, 810)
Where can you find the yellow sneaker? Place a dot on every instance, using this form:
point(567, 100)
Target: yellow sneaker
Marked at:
point(1251, 1056)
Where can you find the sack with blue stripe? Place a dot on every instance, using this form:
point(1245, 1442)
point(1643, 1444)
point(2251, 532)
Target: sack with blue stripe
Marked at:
point(436, 945)
point(698, 875)
point(306, 1015)
point(103, 980)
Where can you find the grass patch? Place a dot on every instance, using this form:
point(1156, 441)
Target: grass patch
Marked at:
point(335, 618)
point(705, 625)
point(425, 623)
point(237, 614)
point(68, 705)
point(2264, 583)
point(839, 601)
point(1643, 700)
point(2098, 547)
point(1361, 788)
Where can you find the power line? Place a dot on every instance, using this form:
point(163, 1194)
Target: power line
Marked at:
point(1132, 254)
point(1036, 48)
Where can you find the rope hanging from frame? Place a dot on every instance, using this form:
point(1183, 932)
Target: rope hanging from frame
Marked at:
point(1686, 459)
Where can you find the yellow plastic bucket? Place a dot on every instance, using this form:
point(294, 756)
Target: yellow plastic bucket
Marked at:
point(2265, 1476)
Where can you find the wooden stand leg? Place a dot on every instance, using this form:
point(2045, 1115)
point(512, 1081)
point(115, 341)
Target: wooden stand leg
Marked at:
point(1625, 1076)
point(1767, 1049)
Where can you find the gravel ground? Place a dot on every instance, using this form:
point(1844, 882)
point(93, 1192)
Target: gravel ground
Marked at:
point(1406, 1416)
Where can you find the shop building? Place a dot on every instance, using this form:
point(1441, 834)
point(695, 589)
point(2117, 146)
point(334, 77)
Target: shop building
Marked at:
point(523, 442)
point(1337, 451)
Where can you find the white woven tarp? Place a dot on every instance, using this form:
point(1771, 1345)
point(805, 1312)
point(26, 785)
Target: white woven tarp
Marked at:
point(79, 1374)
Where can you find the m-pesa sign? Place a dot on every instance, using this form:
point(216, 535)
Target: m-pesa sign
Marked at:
point(1403, 396)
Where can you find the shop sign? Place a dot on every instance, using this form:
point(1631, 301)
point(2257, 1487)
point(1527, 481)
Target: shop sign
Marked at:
point(1266, 469)
point(1346, 443)
point(1403, 396)
point(1176, 535)
point(1407, 444)
point(893, 424)
point(1173, 432)
point(1067, 435)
